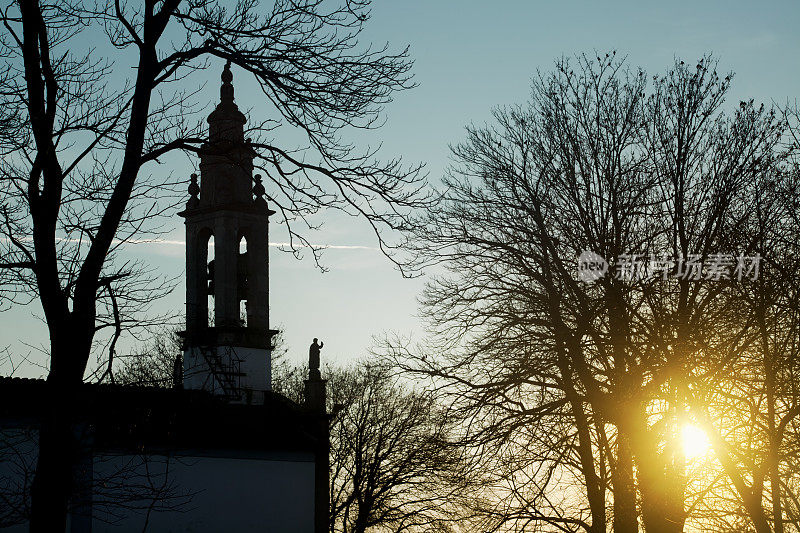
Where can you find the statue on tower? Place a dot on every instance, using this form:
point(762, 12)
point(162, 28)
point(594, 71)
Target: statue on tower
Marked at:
point(313, 360)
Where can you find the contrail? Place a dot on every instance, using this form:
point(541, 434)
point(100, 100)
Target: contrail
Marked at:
point(169, 242)
point(327, 246)
point(272, 244)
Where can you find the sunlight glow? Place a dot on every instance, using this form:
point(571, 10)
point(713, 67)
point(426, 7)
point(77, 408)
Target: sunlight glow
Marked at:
point(695, 441)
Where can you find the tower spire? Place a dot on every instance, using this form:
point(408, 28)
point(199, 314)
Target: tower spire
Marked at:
point(226, 122)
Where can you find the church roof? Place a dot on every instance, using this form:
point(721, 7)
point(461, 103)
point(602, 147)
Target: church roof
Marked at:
point(125, 418)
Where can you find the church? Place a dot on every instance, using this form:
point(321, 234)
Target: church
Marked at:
point(220, 451)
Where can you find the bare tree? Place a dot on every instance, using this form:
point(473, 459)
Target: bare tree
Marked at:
point(748, 398)
point(156, 364)
point(393, 465)
point(17, 465)
point(601, 160)
point(86, 131)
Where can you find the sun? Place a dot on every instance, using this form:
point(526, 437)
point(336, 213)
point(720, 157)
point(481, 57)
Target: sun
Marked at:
point(695, 441)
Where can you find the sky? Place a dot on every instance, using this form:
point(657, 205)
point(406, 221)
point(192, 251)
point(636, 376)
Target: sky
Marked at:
point(470, 56)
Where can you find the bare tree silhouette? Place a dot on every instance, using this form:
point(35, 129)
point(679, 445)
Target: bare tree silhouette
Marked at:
point(593, 382)
point(393, 465)
point(156, 364)
point(748, 399)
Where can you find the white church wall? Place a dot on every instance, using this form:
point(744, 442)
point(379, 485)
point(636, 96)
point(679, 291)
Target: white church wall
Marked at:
point(253, 364)
point(187, 493)
point(256, 367)
point(240, 494)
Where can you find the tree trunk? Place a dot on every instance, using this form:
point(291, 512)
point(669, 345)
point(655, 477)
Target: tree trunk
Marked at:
point(362, 518)
point(52, 483)
point(662, 510)
point(594, 491)
point(775, 485)
point(773, 459)
point(660, 485)
point(625, 514)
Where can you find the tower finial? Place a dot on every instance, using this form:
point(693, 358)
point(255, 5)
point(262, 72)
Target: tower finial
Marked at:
point(258, 188)
point(194, 190)
point(226, 91)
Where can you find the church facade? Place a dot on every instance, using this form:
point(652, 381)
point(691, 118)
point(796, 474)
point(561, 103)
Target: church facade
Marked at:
point(220, 451)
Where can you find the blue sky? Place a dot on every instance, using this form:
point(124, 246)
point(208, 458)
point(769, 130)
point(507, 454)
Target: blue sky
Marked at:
point(469, 57)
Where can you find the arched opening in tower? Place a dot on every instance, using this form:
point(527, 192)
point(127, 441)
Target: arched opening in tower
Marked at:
point(241, 280)
point(210, 277)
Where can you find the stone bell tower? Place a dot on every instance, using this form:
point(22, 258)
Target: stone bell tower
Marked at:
point(227, 352)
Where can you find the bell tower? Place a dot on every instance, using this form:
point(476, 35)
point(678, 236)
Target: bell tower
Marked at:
point(227, 351)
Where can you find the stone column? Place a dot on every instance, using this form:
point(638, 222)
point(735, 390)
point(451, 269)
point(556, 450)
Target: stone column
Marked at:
point(258, 277)
point(196, 279)
point(226, 256)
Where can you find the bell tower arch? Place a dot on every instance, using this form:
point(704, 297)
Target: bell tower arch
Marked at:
point(227, 352)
